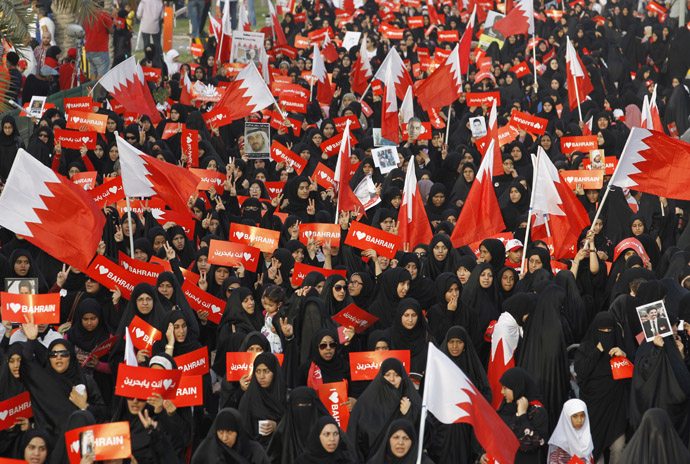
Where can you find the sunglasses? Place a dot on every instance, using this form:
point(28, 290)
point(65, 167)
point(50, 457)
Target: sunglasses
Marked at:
point(323, 346)
point(339, 288)
point(59, 354)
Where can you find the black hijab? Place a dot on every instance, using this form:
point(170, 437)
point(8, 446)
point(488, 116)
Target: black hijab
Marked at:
point(421, 288)
point(245, 451)
point(415, 339)
point(432, 266)
point(384, 454)
point(78, 335)
point(497, 251)
point(332, 305)
point(333, 370)
point(655, 441)
point(522, 383)
point(263, 403)
point(366, 294)
point(315, 453)
point(440, 317)
point(468, 360)
point(387, 299)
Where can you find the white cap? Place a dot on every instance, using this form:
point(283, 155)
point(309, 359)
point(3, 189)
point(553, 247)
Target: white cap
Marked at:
point(513, 245)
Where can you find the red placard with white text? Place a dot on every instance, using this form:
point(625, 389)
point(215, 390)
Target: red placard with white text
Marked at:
point(321, 233)
point(341, 122)
point(151, 74)
point(190, 391)
point(334, 396)
point(482, 98)
point(147, 272)
point(274, 189)
point(110, 275)
point(111, 441)
point(199, 300)
point(324, 176)
point(282, 154)
point(354, 316)
point(171, 129)
point(265, 240)
point(208, 179)
point(92, 121)
point(219, 117)
point(143, 334)
point(241, 363)
point(621, 368)
point(84, 104)
point(76, 139)
point(366, 237)
point(190, 146)
point(590, 179)
point(102, 349)
point(193, 363)
point(301, 270)
point(108, 193)
point(610, 161)
point(14, 408)
point(331, 146)
point(584, 143)
point(86, 180)
point(365, 365)
point(231, 254)
point(142, 382)
point(527, 122)
point(44, 307)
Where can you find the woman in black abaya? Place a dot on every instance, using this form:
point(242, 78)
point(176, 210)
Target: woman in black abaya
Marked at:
point(172, 297)
point(390, 396)
point(399, 445)
point(410, 332)
point(480, 293)
point(655, 441)
point(391, 287)
point(441, 257)
point(450, 311)
point(10, 143)
point(328, 357)
point(421, 288)
point(10, 386)
point(492, 251)
point(607, 399)
point(327, 444)
point(35, 447)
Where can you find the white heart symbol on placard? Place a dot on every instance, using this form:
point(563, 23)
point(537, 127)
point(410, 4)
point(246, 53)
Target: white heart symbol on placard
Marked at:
point(308, 233)
point(15, 307)
point(247, 256)
point(113, 189)
point(167, 383)
point(3, 415)
point(569, 179)
point(215, 309)
point(85, 139)
point(323, 175)
point(103, 270)
point(125, 265)
point(360, 235)
point(75, 446)
point(239, 234)
point(333, 397)
point(567, 144)
point(139, 332)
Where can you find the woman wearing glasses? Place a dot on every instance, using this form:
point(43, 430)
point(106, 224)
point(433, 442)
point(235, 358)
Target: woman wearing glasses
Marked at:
point(58, 387)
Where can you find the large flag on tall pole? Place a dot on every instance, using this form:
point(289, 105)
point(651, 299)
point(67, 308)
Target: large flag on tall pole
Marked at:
point(361, 71)
point(519, 20)
point(51, 212)
point(126, 83)
point(324, 92)
point(390, 121)
point(579, 85)
point(247, 94)
point(401, 77)
point(444, 85)
point(452, 398)
point(347, 200)
point(278, 31)
point(480, 216)
point(413, 222)
point(466, 43)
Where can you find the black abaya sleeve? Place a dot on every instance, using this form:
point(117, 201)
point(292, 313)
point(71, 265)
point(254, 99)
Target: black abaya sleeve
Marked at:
point(97, 405)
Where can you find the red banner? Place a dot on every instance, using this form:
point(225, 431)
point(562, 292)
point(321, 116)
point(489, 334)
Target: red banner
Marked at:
point(415, 22)
point(294, 104)
point(193, 363)
point(84, 104)
point(45, 307)
point(365, 365)
point(208, 179)
point(143, 334)
point(199, 300)
point(190, 146)
point(341, 122)
point(241, 363)
point(322, 233)
point(147, 272)
point(75, 139)
point(331, 146)
point(15, 408)
point(110, 275)
point(108, 193)
point(171, 128)
point(265, 240)
point(520, 70)
point(483, 98)
point(101, 349)
point(110, 441)
point(92, 121)
point(282, 154)
point(85, 180)
point(151, 74)
point(219, 117)
point(334, 397)
point(448, 36)
point(232, 254)
point(190, 391)
point(354, 316)
point(527, 122)
point(590, 179)
point(143, 382)
point(585, 143)
point(324, 176)
point(365, 237)
point(301, 270)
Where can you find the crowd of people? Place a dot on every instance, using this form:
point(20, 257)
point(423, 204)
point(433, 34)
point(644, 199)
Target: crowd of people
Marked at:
point(571, 317)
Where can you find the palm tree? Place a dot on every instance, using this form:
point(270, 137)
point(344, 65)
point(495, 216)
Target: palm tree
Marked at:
point(16, 16)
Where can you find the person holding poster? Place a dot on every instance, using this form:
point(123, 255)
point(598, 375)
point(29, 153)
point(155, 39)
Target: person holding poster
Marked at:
point(10, 386)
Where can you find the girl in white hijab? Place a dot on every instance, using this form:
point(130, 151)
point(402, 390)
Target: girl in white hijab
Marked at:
point(572, 436)
point(171, 61)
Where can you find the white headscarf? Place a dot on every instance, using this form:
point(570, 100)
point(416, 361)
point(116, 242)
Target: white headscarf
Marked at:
point(173, 66)
point(574, 442)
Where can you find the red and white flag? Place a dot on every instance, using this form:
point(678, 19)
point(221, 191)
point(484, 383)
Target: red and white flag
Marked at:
point(481, 216)
point(361, 70)
point(655, 163)
point(401, 77)
point(126, 83)
point(579, 85)
point(328, 49)
point(587, 130)
point(247, 94)
point(186, 90)
point(504, 342)
point(51, 212)
point(407, 107)
point(555, 201)
point(243, 23)
point(146, 176)
point(452, 398)
point(324, 93)
point(466, 43)
point(444, 85)
point(414, 224)
point(519, 20)
point(650, 114)
point(278, 32)
point(390, 122)
point(645, 116)
point(347, 200)
point(492, 133)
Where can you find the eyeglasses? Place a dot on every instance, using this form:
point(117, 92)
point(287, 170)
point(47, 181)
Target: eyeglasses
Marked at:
point(420, 254)
point(354, 283)
point(59, 354)
point(339, 288)
point(131, 137)
point(323, 346)
point(43, 136)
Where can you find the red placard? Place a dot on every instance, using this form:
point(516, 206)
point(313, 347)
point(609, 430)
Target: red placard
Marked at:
point(590, 179)
point(241, 363)
point(482, 98)
point(44, 307)
point(274, 189)
point(190, 391)
point(142, 382)
point(365, 365)
point(86, 180)
point(331, 146)
point(282, 154)
point(147, 272)
point(14, 408)
point(621, 367)
point(151, 74)
point(324, 176)
point(286, 50)
point(334, 396)
point(585, 143)
point(75, 139)
point(448, 36)
point(143, 334)
point(631, 242)
point(301, 270)
point(610, 161)
point(171, 128)
point(392, 32)
point(190, 146)
point(111, 441)
point(527, 122)
point(377, 87)
point(108, 193)
point(84, 104)
point(414, 22)
point(521, 69)
point(288, 89)
point(301, 42)
point(322, 233)
point(341, 122)
point(92, 121)
point(277, 121)
point(199, 300)
point(354, 316)
point(365, 237)
point(139, 207)
point(110, 275)
point(232, 254)
point(219, 117)
point(265, 240)
point(435, 118)
point(193, 363)
point(101, 349)
point(294, 104)
point(196, 49)
point(208, 178)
